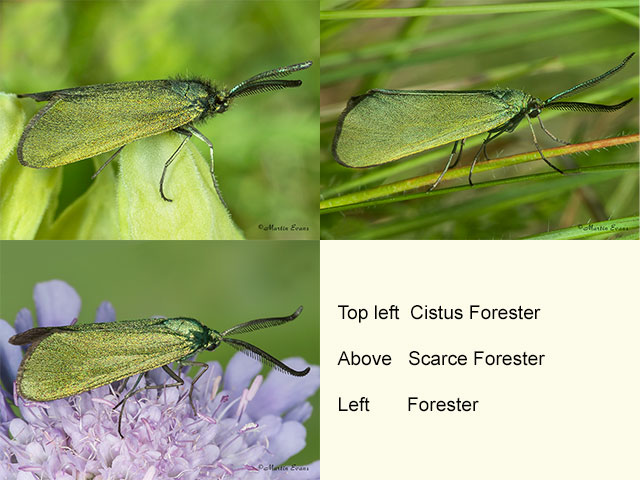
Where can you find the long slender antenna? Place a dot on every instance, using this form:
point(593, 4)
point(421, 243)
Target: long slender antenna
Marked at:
point(263, 357)
point(269, 80)
point(261, 323)
point(257, 353)
point(586, 107)
point(588, 84)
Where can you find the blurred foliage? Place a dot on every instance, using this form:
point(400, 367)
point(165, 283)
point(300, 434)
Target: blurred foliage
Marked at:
point(265, 147)
point(542, 53)
point(219, 283)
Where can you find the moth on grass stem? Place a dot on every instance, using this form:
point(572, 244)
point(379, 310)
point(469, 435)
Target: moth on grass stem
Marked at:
point(385, 125)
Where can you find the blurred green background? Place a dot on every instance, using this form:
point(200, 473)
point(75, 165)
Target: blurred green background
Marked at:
point(219, 283)
point(266, 146)
point(540, 52)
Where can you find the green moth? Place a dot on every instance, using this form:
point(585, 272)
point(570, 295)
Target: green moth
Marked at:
point(65, 361)
point(83, 122)
point(386, 125)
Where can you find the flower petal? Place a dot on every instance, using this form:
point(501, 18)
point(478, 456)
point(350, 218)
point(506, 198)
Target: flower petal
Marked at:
point(24, 320)
point(301, 413)
point(10, 357)
point(281, 392)
point(6, 415)
point(57, 303)
point(239, 373)
point(105, 313)
point(289, 441)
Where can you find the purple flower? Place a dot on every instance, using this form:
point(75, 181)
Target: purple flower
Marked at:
point(245, 426)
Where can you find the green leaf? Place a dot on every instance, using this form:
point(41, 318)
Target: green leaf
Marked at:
point(93, 216)
point(25, 193)
point(196, 212)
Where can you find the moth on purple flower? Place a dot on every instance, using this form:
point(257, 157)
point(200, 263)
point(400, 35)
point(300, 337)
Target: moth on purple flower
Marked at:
point(65, 361)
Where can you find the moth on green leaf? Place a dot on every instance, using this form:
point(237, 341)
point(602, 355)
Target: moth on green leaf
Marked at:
point(83, 122)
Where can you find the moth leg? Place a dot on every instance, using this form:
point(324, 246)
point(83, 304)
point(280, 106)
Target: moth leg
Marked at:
point(123, 386)
point(475, 159)
point(124, 399)
point(194, 131)
point(204, 368)
point(535, 141)
point(171, 159)
point(484, 151)
point(133, 391)
point(483, 148)
point(446, 167)
point(551, 134)
point(460, 153)
point(107, 162)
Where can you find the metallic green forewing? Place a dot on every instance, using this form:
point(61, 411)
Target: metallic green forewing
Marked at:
point(64, 361)
point(385, 125)
point(82, 122)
